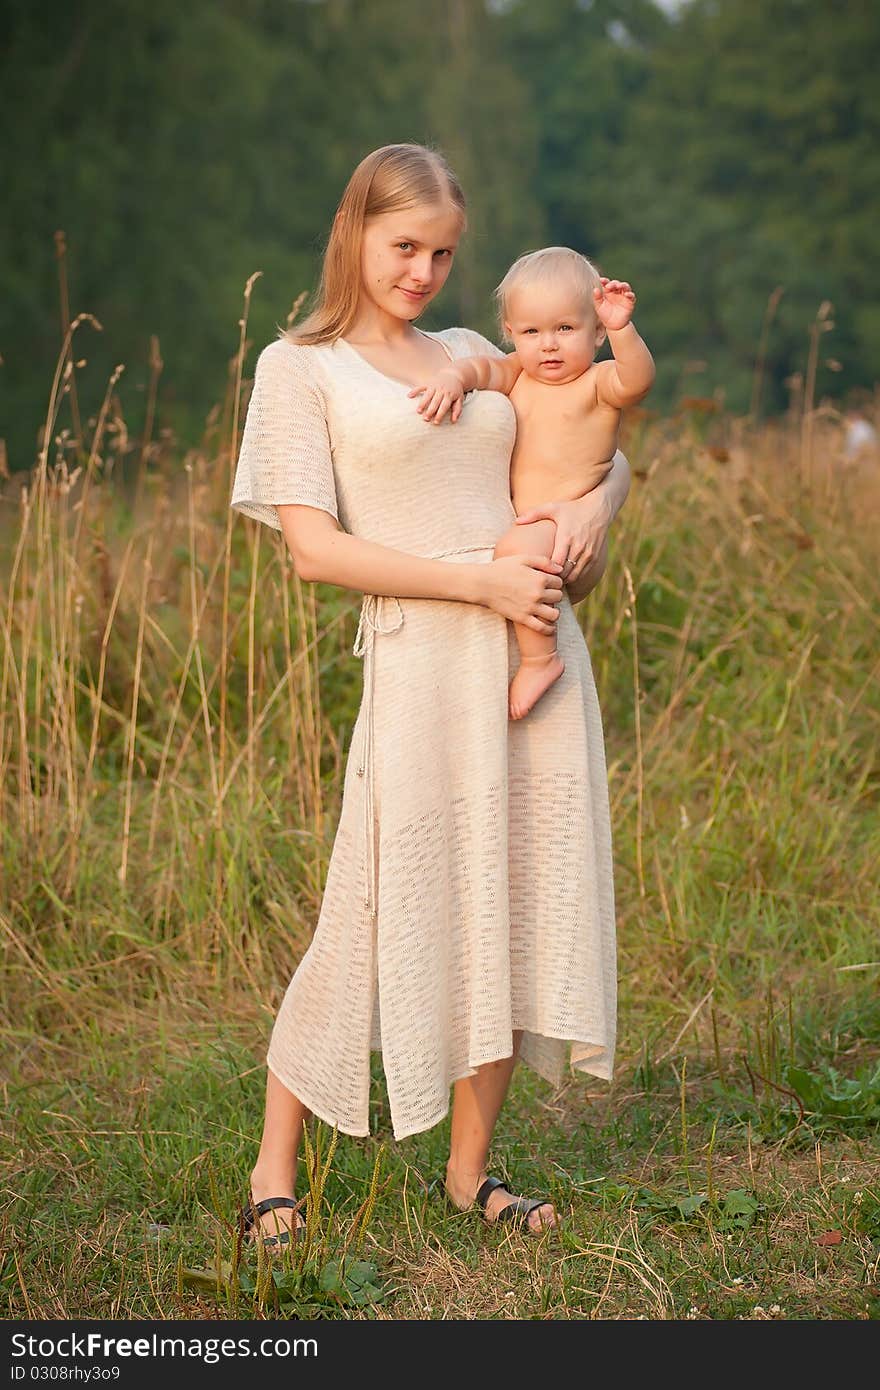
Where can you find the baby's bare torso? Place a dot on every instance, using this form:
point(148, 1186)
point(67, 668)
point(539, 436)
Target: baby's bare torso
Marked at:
point(565, 439)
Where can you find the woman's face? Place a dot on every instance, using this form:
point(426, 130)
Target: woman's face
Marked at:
point(406, 257)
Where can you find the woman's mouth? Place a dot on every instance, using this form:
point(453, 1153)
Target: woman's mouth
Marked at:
point(413, 294)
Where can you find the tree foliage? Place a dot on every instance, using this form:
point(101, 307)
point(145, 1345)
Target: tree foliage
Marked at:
point(709, 156)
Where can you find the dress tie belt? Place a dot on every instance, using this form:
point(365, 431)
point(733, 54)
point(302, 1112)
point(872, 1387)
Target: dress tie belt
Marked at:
point(369, 626)
point(370, 623)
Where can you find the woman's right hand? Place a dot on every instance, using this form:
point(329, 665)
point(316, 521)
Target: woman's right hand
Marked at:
point(526, 589)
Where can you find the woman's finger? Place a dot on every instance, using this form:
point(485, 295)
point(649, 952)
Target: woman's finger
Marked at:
point(540, 562)
point(545, 513)
point(548, 612)
point(560, 549)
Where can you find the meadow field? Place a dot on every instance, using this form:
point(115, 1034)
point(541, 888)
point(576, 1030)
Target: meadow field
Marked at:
point(175, 712)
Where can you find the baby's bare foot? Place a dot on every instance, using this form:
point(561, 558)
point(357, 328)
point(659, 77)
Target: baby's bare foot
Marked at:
point(535, 675)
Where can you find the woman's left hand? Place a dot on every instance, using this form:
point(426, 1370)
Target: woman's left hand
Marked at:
point(581, 529)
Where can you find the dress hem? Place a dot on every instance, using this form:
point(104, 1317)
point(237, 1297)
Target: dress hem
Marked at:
point(581, 1066)
point(297, 1091)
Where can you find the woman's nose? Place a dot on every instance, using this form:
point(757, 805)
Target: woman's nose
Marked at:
point(421, 272)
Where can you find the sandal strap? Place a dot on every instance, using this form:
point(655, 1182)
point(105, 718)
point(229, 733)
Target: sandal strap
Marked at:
point(520, 1206)
point(269, 1204)
point(486, 1188)
point(282, 1239)
point(251, 1210)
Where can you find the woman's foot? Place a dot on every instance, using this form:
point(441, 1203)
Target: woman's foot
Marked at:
point(462, 1192)
point(534, 675)
point(277, 1220)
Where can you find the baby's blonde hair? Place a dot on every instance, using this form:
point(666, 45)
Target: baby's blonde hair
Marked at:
point(541, 268)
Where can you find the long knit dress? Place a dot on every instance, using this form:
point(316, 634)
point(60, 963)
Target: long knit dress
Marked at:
point(469, 891)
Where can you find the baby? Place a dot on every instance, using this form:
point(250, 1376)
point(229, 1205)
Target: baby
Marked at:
point(557, 310)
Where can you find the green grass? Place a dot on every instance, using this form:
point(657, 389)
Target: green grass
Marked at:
point(131, 1161)
point(160, 883)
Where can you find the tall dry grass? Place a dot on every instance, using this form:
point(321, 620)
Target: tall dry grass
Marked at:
point(175, 707)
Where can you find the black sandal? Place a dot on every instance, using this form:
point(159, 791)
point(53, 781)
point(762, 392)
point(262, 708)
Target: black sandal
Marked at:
point(251, 1212)
point(517, 1211)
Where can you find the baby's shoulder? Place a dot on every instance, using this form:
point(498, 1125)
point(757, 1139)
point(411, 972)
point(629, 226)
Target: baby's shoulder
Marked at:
point(601, 373)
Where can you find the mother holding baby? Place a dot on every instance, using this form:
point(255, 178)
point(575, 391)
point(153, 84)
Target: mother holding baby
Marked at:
point(468, 911)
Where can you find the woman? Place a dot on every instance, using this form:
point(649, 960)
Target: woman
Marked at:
point(468, 912)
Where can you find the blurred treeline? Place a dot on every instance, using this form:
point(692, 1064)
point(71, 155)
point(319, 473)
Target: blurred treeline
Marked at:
point(709, 153)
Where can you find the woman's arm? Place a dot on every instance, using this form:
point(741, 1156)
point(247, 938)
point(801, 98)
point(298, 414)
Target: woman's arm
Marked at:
point(589, 576)
point(527, 591)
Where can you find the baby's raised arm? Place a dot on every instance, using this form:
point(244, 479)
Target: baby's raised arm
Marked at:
point(629, 377)
point(446, 389)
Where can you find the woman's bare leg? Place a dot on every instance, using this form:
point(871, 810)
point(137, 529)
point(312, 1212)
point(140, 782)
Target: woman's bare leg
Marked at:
point(274, 1173)
point(477, 1100)
point(540, 663)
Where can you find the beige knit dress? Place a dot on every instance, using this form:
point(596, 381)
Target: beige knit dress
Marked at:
point(469, 890)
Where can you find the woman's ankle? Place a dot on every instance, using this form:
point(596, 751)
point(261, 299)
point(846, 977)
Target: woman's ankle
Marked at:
point(463, 1179)
point(280, 1177)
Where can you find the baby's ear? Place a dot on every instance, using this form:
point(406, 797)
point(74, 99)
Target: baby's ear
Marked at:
point(601, 334)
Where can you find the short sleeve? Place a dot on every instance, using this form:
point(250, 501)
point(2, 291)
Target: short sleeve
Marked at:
point(475, 345)
point(285, 447)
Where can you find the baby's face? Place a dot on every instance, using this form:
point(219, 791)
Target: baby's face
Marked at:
point(555, 333)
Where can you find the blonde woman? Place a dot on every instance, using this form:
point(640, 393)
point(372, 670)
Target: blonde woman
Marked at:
point(468, 910)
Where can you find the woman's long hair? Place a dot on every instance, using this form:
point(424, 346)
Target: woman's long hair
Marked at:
point(387, 180)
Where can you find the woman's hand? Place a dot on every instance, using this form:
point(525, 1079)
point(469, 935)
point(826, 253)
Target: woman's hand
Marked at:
point(442, 392)
point(582, 525)
point(581, 530)
point(524, 588)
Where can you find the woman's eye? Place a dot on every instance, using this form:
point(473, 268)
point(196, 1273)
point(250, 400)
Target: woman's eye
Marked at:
point(405, 244)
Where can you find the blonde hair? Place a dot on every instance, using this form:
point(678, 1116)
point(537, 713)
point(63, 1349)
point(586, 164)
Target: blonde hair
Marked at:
point(542, 268)
point(387, 180)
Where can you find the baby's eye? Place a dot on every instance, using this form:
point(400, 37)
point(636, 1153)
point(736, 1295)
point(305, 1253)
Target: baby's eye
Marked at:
point(530, 330)
point(565, 325)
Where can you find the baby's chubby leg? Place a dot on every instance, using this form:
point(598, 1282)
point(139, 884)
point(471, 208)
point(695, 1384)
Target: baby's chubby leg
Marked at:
point(540, 663)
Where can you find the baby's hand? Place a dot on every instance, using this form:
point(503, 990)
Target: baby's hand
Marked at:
point(443, 391)
point(614, 303)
